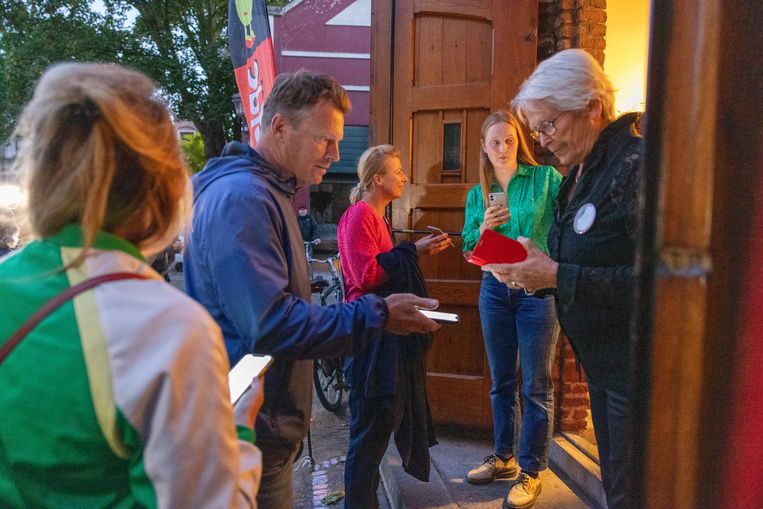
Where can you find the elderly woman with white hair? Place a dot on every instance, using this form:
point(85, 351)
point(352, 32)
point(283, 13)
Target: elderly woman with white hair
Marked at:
point(568, 103)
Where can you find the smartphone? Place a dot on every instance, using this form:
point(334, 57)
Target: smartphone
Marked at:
point(440, 317)
point(247, 369)
point(498, 199)
point(435, 231)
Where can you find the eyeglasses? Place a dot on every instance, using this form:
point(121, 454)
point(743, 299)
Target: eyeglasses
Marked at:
point(548, 128)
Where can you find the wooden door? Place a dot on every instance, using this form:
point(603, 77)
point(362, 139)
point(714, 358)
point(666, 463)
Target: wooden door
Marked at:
point(439, 68)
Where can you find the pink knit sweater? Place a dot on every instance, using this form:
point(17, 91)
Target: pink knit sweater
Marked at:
point(361, 236)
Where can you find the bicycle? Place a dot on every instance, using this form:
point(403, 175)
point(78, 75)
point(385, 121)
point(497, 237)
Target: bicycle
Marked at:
point(328, 374)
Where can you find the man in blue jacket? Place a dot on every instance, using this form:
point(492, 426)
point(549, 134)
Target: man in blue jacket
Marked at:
point(245, 262)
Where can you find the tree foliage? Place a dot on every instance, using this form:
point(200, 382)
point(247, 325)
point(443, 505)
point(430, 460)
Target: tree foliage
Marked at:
point(193, 151)
point(182, 44)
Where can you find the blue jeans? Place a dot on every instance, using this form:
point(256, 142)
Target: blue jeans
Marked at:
point(515, 324)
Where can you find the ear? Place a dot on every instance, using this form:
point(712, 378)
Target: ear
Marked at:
point(594, 109)
point(279, 126)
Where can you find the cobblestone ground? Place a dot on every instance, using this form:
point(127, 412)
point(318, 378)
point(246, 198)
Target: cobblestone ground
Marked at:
point(330, 436)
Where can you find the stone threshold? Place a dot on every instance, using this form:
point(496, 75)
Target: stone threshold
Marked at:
point(573, 459)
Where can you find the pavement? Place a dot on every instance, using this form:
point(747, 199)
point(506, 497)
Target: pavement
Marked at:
point(458, 451)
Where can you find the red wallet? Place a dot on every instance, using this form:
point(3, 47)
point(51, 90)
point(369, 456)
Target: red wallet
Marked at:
point(492, 247)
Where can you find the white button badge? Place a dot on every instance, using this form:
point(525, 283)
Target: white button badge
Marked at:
point(584, 218)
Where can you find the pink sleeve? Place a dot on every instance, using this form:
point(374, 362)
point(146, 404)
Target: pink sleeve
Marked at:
point(359, 243)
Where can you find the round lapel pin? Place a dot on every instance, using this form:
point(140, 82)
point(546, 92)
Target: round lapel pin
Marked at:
point(584, 218)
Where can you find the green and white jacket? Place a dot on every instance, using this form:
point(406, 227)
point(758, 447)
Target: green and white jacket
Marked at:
point(120, 397)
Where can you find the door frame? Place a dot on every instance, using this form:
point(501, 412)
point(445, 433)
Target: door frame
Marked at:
point(703, 140)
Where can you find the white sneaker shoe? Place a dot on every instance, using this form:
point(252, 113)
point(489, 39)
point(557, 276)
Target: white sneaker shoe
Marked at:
point(492, 468)
point(523, 492)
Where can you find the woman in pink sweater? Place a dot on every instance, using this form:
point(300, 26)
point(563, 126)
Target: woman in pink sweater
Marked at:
point(387, 389)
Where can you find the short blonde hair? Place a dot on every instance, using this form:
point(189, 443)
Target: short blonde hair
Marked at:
point(568, 81)
point(98, 149)
point(371, 163)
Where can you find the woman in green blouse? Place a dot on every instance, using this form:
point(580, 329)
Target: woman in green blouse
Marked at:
point(515, 322)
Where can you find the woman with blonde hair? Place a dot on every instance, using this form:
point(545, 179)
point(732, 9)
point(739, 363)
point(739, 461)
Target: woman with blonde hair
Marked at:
point(114, 388)
point(515, 323)
point(387, 386)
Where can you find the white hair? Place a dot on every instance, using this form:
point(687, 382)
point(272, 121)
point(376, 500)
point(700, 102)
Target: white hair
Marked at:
point(567, 81)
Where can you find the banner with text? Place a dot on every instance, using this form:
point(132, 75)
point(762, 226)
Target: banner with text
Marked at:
point(251, 50)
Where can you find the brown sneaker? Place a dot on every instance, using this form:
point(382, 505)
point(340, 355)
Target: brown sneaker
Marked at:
point(492, 468)
point(523, 492)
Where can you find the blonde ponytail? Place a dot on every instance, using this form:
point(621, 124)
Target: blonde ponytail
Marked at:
point(371, 163)
point(99, 150)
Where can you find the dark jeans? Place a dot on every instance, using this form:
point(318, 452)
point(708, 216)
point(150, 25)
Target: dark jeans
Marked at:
point(516, 324)
point(610, 411)
point(372, 422)
point(275, 487)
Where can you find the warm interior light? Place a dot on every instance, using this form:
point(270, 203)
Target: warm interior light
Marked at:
point(626, 53)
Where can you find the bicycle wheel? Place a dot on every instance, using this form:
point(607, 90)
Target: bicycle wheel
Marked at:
point(327, 378)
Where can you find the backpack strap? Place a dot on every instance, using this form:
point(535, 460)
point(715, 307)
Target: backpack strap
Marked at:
point(55, 303)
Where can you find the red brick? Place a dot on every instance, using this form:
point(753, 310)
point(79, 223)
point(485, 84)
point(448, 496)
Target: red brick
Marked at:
point(564, 18)
point(576, 387)
point(579, 414)
point(573, 425)
point(598, 30)
point(587, 42)
point(593, 16)
point(568, 31)
point(572, 400)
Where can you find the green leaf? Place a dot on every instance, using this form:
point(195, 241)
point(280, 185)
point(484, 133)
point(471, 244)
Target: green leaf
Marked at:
point(333, 497)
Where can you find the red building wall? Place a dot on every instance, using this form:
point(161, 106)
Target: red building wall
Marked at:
point(331, 37)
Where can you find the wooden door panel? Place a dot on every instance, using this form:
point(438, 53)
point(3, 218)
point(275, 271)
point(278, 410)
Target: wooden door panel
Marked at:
point(455, 61)
point(474, 119)
point(429, 42)
point(441, 97)
point(473, 8)
point(427, 160)
point(451, 50)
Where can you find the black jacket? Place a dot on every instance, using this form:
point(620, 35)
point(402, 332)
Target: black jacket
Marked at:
point(395, 366)
point(595, 282)
point(307, 227)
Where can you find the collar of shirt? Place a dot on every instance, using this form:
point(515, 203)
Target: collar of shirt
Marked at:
point(71, 235)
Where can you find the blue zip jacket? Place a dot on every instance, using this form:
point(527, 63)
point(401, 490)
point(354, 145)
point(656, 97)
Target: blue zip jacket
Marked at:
point(245, 263)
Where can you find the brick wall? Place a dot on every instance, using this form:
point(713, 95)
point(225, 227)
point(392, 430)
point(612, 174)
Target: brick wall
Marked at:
point(571, 401)
point(564, 24)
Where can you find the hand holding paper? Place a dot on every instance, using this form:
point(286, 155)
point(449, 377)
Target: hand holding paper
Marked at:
point(537, 271)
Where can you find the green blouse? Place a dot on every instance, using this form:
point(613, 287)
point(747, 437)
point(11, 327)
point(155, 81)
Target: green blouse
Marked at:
point(531, 194)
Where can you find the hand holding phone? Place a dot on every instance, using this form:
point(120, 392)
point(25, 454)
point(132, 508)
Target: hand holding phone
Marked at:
point(437, 232)
point(247, 369)
point(497, 212)
point(498, 199)
point(440, 317)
